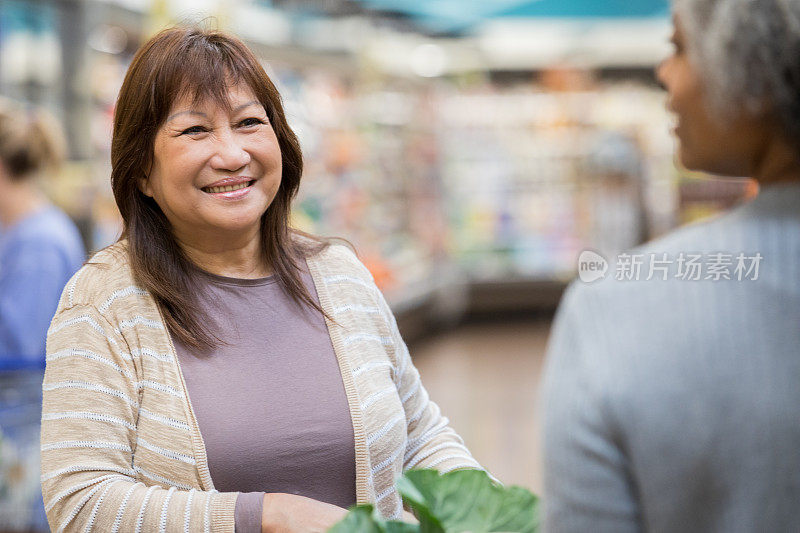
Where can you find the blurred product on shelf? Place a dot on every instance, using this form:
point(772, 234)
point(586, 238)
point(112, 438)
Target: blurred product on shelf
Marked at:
point(372, 178)
point(535, 176)
point(503, 181)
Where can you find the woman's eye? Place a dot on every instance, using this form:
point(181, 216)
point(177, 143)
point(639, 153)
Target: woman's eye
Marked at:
point(249, 122)
point(193, 129)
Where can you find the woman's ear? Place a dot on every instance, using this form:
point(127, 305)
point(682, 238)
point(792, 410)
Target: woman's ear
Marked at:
point(144, 185)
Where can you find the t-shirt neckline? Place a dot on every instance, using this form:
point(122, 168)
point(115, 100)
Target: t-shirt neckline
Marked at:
point(238, 282)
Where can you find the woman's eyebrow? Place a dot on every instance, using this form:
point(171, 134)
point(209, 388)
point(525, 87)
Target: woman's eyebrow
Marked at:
point(248, 104)
point(238, 108)
point(186, 113)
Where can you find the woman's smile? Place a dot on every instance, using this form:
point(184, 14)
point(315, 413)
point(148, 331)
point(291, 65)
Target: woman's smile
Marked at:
point(230, 188)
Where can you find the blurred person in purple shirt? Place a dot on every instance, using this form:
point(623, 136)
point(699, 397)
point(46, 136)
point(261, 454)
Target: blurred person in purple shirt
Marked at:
point(40, 247)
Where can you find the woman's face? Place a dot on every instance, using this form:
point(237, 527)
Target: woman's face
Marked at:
point(728, 147)
point(215, 172)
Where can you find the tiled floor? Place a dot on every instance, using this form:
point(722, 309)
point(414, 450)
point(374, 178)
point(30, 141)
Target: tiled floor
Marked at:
point(485, 378)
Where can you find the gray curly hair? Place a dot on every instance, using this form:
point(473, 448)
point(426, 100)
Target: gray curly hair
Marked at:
point(749, 54)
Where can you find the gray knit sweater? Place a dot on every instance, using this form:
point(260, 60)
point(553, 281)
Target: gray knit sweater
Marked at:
point(675, 405)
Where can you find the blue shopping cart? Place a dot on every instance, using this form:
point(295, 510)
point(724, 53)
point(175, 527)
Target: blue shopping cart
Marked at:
point(21, 506)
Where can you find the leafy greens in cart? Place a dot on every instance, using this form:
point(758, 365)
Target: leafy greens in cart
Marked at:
point(461, 501)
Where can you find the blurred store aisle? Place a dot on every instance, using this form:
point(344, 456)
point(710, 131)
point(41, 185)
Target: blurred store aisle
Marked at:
point(485, 377)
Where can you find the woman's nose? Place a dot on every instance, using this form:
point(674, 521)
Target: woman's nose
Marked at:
point(230, 153)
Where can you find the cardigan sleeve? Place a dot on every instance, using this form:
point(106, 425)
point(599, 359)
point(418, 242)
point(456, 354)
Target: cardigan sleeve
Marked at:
point(431, 442)
point(89, 435)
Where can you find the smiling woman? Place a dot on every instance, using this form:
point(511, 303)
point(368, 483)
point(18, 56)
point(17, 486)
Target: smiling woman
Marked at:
point(212, 116)
point(215, 173)
point(215, 369)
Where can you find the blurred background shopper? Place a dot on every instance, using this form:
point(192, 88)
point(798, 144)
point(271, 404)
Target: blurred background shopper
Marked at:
point(670, 403)
point(40, 247)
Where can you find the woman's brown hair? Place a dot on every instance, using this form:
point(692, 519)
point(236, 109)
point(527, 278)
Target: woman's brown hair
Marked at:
point(203, 64)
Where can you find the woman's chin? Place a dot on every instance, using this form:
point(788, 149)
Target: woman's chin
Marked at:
point(724, 167)
point(690, 160)
point(240, 218)
point(234, 228)
point(684, 159)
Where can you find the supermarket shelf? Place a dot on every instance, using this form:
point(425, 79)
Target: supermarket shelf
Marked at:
point(438, 310)
point(415, 322)
point(516, 294)
point(438, 303)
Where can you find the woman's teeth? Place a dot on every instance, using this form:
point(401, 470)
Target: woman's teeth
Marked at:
point(227, 188)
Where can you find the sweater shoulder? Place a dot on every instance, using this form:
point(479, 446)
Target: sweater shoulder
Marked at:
point(104, 274)
point(340, 260)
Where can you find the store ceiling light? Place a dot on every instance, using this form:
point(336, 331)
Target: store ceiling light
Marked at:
point(108, 39)
point(428, 60)
point(463, 16)
point(444, 16)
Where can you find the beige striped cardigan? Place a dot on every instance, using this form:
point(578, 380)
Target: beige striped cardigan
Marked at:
point(121, 448)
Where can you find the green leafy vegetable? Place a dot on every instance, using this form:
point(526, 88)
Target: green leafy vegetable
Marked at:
point(364, 519)
point(461, 501)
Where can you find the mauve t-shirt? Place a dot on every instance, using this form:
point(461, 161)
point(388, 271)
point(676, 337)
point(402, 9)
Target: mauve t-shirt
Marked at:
point(270, 402)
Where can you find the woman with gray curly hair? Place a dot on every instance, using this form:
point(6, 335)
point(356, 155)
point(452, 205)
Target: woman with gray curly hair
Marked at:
point(671, 387)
